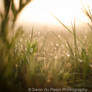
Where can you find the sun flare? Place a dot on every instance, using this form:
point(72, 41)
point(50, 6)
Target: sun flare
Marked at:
point(40, 11)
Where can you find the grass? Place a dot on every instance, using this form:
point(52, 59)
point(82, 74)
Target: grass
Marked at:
point(58, 62)
point(79, 59)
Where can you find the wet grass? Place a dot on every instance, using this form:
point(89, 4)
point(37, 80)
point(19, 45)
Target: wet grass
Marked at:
point(39, 60)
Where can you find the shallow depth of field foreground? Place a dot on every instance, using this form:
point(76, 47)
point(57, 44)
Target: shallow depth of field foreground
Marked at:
point(46, 52)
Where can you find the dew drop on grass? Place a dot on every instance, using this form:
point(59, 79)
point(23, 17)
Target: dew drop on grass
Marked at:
point(59, 36)
point(57, 45)
point(68, 55)
point(31, 50)
point(56, 57)
point(80, 60)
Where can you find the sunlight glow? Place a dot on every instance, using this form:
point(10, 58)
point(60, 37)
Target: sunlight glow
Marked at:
point(66, 10)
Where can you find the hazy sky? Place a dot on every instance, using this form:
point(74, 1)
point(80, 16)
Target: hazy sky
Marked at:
point(66, 10)
point(40, 11)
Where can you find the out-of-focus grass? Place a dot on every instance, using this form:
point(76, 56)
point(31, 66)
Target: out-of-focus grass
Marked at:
point(80, 61)
point(55, 61)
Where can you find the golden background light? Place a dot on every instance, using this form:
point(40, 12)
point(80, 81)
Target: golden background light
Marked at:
point(39, 11)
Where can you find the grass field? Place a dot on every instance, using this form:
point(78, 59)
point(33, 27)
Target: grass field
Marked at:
point(52, 59)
